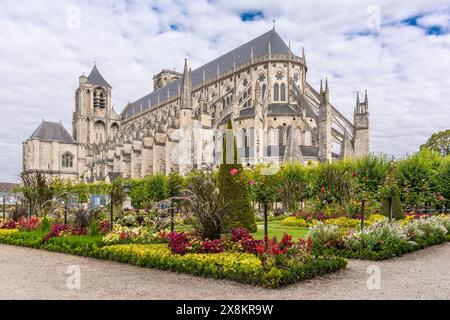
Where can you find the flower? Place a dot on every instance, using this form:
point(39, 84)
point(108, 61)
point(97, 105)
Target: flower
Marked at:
point(251, 182)
point(322, 190)
point(234, 171)
point(261, 248)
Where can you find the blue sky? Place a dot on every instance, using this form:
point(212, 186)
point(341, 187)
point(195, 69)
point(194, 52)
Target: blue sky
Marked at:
point(399, 51)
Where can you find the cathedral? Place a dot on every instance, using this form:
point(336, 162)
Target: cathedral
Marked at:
point(261, 87)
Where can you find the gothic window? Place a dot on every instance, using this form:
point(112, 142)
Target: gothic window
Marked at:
point(99, 128)
point(261, 77)
point(67, 160)
point(280, 135)
point(283, 92)
point(279, 75)
point(276, 92)
point(296, 77)
point(271, 136)
point(245, 82)
point(263, 91)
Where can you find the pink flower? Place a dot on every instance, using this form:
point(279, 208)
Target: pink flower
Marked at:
point(234, 171)
point(322, 190)
point(251, 182)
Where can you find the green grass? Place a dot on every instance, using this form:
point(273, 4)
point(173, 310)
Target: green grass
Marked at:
point(276, 229)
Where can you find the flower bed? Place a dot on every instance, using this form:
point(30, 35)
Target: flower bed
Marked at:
point(126, 235)
point(241, 267)
point(236, 265)
point(343, 222)
point(380, 240)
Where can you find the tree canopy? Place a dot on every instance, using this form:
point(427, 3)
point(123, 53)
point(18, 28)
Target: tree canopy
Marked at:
point(439, 142)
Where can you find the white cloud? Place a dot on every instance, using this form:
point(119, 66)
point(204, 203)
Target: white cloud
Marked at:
point(404, 69)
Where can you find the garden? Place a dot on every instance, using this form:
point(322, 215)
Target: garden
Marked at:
point(263, 226)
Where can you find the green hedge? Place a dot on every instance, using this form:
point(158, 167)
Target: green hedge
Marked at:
point(76, 245)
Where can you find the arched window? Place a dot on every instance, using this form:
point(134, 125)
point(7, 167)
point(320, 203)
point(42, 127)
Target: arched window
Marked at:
point(276, 92)
point(271, 136)
point(280, 137)
point(263, 91)
point(67, 160)
point(282, 92)
point(99, 128)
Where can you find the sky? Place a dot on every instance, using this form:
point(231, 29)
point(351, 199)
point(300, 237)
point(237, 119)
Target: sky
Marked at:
point(399, 51)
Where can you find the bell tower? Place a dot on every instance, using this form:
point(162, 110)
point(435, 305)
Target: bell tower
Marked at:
point(93, 116)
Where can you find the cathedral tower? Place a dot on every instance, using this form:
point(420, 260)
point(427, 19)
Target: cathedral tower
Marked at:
point(362, 128)
point(94, 121)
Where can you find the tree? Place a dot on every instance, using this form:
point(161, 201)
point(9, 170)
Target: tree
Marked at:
point(36, 188)
point(332, 184)
point(391, 205)
point(439, 142)
point(233, 184)
point(443, 184)
point(265, 190)
point(293, 185)
point(417, 179)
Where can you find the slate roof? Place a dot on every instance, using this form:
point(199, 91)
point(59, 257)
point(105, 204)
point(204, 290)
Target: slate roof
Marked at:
point(221, 65)
point(247, 113)
point(52, 131)
point(307, 151)
point(282, 109)
point(97, 79)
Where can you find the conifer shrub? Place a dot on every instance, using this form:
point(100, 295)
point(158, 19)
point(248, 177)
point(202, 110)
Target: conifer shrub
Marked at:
point(233, 187)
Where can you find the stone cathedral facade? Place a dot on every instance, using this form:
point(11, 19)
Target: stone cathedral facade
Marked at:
point(261, 87)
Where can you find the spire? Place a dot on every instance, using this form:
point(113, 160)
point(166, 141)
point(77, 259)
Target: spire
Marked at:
point(326, 93)
point(357, 103)
point(303, 55)
point(97, 79)
point(321, 88)
point(186, 97)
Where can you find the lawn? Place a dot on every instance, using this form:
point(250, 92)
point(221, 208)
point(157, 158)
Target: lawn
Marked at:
point(276, 229)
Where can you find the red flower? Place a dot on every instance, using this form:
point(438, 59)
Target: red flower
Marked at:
point(322, 190)
point(251, 182)
point(234, 171)
point(261, 248)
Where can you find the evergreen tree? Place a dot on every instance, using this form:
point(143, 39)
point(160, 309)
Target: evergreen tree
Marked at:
point(233, 187)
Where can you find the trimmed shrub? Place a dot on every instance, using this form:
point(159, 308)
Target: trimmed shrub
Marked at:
point(232, 185)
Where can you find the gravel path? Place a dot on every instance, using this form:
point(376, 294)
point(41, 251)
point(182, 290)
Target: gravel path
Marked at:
point(34, 274)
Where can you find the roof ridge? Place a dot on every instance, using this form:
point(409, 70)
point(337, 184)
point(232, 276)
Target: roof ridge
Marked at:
point(219, 65)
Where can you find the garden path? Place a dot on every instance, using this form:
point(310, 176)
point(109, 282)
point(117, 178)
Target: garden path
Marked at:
point(34, 274)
